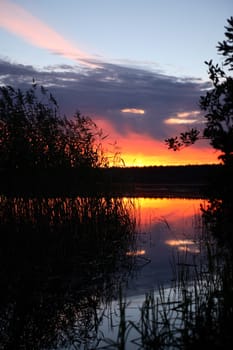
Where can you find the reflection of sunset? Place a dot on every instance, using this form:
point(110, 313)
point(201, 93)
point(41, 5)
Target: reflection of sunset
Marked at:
point(143, 150)
point(173, 218)
point(136, 253)
point(165, 209)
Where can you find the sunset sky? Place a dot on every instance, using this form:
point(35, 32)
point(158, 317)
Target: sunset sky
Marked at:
point(136, 67)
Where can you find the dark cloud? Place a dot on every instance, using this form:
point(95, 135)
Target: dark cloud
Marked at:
point(105, 91)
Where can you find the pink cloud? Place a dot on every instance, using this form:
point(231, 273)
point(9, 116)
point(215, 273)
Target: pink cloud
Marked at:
point(18, 21)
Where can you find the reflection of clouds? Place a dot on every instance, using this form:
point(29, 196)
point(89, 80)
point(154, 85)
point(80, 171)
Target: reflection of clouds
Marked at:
point(178, 242)
point(186, 245)
point(193, 250)
point(170, 222)
point(136, 252)
point(163, 225)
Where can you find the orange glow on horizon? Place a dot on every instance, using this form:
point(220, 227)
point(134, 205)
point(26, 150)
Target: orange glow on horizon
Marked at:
point(142, 150)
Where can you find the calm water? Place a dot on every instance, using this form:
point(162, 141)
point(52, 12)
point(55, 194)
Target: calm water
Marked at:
point(165, 228)
point(63, 262)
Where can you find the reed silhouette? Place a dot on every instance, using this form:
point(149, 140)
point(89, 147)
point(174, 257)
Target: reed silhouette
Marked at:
point(61, 261)
point(33, 134)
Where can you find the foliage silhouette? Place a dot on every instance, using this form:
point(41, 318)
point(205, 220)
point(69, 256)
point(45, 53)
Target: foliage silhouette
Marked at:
point(34, 135)
point(217, 104)
point(214, 325)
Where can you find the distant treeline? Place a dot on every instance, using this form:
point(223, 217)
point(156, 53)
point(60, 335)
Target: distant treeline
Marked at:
point(98, 180)
point(187, 174)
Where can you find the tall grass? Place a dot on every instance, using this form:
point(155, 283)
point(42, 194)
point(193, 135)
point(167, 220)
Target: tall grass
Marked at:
point(61, 260)
point(195, 311)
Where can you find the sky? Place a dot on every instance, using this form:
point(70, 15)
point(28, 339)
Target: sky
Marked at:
point(136, 67)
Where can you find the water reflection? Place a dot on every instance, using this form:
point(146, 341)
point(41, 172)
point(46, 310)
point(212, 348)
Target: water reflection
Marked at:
point(186, 245)
point(165, 226)
point(136, 253)
point(62, 261)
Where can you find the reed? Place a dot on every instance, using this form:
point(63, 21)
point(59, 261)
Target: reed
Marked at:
point(61, 261)
point(64, 259)
point(196, 310)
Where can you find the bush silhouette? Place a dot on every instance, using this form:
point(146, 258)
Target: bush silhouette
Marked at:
point(217, 105)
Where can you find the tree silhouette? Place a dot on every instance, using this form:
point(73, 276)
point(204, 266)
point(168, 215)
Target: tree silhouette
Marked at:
point(34, 135)
point(217, 105)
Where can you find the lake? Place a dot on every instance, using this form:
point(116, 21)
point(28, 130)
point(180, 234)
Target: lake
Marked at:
point(66, 261)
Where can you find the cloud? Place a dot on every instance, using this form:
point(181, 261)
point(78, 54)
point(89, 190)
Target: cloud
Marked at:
point(180, 121)
point(18, 21)
point(187, 114)
point(133, 110)
point(189, 117)
point(104, 92)
point(107, 91)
